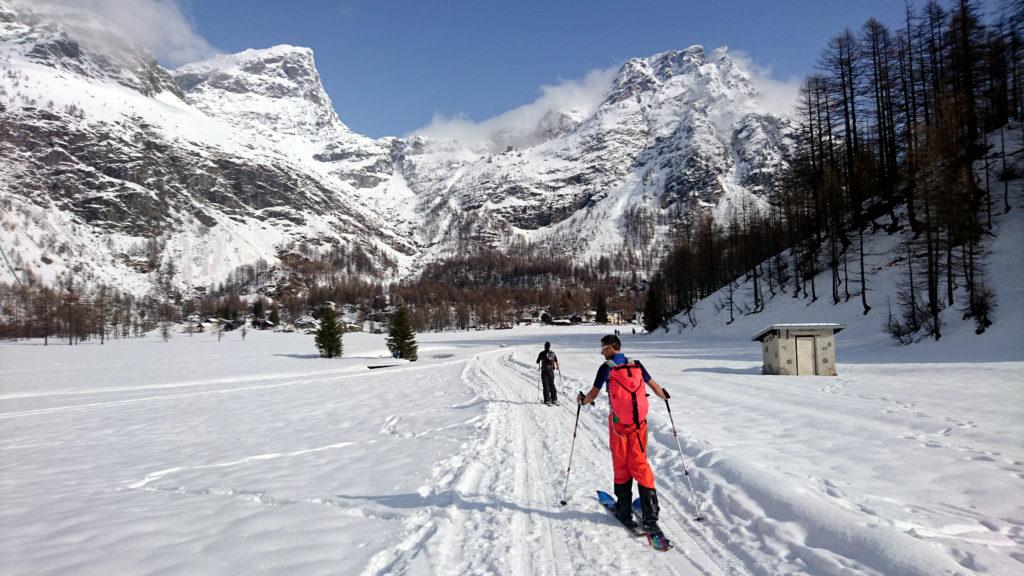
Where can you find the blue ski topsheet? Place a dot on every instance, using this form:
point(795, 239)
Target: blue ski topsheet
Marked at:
point(609, 501)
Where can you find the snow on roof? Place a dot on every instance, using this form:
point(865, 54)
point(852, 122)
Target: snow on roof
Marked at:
point(805, 326)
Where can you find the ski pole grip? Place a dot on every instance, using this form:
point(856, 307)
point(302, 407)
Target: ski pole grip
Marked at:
point(667, 395)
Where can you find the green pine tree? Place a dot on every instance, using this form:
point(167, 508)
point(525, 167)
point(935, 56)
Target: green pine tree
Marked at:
point(400, 335)
point(602, 310)
point(328, 336)
point(652, 308)
point(275, 315)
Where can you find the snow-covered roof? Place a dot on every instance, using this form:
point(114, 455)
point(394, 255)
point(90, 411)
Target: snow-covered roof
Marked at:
point(806, 326)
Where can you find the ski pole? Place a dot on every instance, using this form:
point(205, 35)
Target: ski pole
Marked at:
point(686, 472)
point(541, 385)
point(571, 450)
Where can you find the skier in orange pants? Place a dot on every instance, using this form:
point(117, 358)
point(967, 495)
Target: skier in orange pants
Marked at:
point(627, 426)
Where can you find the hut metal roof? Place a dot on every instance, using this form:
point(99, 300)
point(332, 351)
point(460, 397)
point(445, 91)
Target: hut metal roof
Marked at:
point(806, 326)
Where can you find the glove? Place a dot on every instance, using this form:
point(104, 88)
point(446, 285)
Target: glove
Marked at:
point(667, 395)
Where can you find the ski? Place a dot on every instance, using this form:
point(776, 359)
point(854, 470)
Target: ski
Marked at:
point(657, 540)
point(608, 502)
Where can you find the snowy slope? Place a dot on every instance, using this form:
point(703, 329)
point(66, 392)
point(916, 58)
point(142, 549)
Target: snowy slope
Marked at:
point(886, 268)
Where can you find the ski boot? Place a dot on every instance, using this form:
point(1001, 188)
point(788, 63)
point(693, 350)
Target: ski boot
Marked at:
point(624, 506)
point(649, 507)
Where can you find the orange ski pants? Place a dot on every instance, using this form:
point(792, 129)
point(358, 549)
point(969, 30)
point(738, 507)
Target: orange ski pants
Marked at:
point(629, 454)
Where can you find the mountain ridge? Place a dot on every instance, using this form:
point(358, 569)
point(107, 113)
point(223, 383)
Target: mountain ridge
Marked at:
point(242, 158)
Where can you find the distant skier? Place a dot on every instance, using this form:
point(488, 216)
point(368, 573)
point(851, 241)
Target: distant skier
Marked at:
point(627, 426)
point(548, 362)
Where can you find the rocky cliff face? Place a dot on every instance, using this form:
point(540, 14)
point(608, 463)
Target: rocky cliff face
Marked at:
point(242, 157)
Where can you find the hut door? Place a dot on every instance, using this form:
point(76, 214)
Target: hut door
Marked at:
point(805, 356)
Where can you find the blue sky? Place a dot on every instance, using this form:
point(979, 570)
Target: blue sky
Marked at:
point(391, 66)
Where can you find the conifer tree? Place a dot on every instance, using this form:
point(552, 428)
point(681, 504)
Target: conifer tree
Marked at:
point(652, 308)
point(602, 310)
point(328, 336)
point(400, 335)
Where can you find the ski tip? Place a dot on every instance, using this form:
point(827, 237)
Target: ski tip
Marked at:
point(699, 519)
point(659, 542)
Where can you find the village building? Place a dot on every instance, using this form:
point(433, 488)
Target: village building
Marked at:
point(262, 324)
point(799, 349)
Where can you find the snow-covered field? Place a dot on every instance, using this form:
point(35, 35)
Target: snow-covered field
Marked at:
point(256, 457)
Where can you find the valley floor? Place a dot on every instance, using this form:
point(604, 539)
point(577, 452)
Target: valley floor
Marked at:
point(256, 457)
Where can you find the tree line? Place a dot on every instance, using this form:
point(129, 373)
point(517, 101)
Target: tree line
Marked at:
point(894, 132)
point(488, 289)
point(73, 311)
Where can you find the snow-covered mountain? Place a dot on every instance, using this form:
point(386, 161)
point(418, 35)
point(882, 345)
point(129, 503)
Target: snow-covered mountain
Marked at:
point(117, 168)
point(674, 131)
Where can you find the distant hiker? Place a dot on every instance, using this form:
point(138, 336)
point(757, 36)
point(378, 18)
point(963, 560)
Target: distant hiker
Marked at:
point(548, 362)
point(627, 426)
point(634, 331)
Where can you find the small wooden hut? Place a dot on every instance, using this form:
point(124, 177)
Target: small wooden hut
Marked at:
point(799, 349)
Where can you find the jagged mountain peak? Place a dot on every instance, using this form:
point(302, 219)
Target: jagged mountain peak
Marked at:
point(690, 69)
point(276, 92)
point(282, 71)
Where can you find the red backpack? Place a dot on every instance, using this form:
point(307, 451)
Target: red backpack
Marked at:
point(627, 394)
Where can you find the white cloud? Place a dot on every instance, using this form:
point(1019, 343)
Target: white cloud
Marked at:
point(523, 126)
point(159, 26)
point(775, 96)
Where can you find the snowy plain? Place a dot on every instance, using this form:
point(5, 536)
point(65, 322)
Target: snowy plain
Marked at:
point(203, 457)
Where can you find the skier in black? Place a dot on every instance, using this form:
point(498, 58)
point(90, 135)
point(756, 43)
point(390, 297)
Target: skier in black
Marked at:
point(548, 362)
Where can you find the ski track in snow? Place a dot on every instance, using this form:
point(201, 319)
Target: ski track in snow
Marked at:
point(495, 507)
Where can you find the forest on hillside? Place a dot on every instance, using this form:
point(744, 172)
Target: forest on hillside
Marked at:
point(899, 131)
